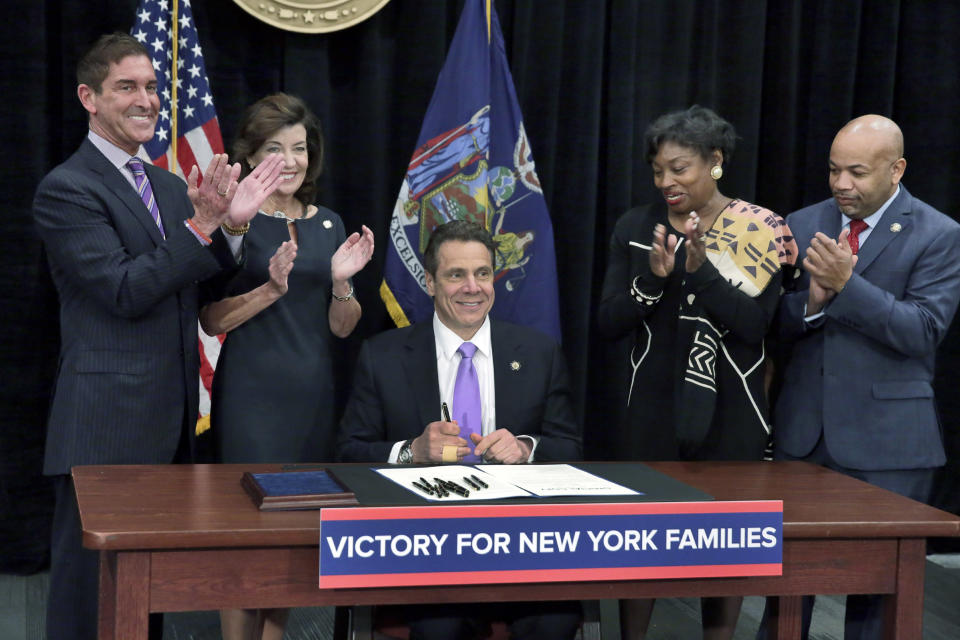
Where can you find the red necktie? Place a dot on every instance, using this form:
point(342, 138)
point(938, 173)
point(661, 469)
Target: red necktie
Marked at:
point(856, 226)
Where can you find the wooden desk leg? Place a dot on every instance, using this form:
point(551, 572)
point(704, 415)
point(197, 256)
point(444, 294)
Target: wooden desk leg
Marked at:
point(106, 624)
point(784, 617)
point(124, 595)
point(903, 609)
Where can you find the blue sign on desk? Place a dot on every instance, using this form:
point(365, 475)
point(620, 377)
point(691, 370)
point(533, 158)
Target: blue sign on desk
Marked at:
point(482, 544)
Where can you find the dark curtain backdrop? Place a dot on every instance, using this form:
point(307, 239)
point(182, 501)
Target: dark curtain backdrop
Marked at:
point(590, 75)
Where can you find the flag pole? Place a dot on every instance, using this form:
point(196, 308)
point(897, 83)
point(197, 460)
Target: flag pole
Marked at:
point(488, 20)
point(175, 48)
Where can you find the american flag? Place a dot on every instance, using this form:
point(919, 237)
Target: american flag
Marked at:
point(166, 28)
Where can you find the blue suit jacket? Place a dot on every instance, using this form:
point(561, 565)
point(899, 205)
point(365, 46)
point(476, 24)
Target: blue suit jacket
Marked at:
point(127, 374)
point(395, 392)
point(864, 376)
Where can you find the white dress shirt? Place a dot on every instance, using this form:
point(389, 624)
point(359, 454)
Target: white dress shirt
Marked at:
point(448, 361)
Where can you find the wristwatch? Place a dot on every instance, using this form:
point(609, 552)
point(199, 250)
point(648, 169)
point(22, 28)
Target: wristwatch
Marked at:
point(406, 453)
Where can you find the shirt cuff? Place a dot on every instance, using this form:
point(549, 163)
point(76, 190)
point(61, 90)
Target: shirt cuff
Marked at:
point(236, 245)
point(395, 452)
point(814, 320)
point(533, 446)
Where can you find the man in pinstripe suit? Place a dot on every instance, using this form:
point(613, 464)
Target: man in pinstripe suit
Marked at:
point(129, 277)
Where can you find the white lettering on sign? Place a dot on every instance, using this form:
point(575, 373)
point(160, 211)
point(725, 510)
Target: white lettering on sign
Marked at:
point(628, 540)
point(549, 541)
point(400, 545)
point(483, 543)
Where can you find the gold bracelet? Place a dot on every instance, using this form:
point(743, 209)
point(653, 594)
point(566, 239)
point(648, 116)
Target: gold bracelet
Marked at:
point(345, 298)
point(235, 231)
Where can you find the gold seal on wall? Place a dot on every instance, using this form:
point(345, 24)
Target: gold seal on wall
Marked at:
point(319, 16)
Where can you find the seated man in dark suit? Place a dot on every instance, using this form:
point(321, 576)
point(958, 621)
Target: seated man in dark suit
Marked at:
point(508, 388)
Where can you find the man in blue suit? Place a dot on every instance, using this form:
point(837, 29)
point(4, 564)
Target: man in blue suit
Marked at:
point(394, 413)
point(127, 246)
point(878, 289)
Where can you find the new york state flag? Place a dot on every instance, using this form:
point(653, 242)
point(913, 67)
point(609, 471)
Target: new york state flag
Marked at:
point(473, 162)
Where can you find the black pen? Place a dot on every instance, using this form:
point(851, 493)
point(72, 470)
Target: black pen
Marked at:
point(479, 481)
point(424, 482)
point(446, 411)
point(454, 485)
point(473, 485)
point(427, 490)
point(441, 489)
point(451, 488)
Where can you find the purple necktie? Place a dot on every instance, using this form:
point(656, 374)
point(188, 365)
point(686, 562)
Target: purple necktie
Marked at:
point(466, 398)
point(146, 193)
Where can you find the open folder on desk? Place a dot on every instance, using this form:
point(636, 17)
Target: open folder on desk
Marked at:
point(504, 481)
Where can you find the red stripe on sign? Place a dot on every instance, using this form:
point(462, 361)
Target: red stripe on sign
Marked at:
point(549, 575)
point(541, 510)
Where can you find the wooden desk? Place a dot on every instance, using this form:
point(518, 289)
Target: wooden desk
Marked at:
point(181, 538)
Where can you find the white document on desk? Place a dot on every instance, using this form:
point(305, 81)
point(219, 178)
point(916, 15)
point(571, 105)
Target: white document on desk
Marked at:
point(547, 480)
point(495, 489)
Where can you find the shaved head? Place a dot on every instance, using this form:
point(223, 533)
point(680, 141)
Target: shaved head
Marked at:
point(866, 164)
point(882, 133)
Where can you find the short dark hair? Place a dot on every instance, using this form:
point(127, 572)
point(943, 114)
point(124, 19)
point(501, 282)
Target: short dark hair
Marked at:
point(461, 230)
point(268, 115)
point(94, 66)
point(695, 128)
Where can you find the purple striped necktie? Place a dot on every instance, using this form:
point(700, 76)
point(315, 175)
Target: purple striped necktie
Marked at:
point(146, 193)
point(467, 410)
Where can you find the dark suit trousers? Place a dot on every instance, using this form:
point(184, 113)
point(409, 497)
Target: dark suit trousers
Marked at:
point(864, 614)
point(72, 601)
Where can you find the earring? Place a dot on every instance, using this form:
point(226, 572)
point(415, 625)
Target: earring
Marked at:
point(717, 172)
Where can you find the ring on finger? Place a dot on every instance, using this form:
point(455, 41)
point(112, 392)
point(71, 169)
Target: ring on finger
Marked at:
point(222, 193)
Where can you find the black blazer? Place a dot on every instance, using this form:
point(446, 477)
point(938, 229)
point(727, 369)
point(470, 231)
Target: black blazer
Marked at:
point(395, 393)
point(127, 377)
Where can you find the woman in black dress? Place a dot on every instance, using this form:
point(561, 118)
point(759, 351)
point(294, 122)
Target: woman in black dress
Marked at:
point(273, 391)
point(695, 280)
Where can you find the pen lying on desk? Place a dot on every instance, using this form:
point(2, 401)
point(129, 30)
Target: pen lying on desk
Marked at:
point(425, 488)
point(453, 487)
point(479, 481)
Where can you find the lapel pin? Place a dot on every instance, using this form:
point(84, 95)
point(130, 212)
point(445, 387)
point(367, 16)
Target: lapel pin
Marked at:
point(515, 365)
point(895, 227)
point(327, 224)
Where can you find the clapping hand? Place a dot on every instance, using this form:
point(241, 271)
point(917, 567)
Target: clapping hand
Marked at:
point(662, 252)
point(281, 263)
point(211, 198)
point(352, 256)
point(696, 248)
point(830, 263)
point(254, 189)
